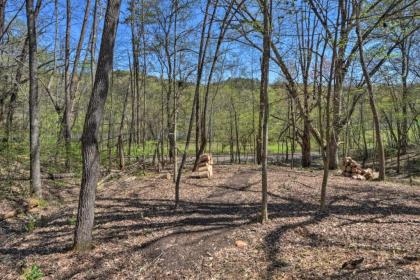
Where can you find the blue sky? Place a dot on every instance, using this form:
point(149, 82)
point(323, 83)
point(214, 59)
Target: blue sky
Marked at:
point(46, 23)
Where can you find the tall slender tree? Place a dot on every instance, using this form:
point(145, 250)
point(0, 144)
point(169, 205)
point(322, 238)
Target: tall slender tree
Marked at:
point(264, 104)
point(372, 103)
point(91, 129)
point(35, 168)
point(67, 110)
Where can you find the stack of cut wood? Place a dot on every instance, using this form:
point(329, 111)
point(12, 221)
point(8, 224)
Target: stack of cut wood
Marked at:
point(205, 167)
point(352, 169)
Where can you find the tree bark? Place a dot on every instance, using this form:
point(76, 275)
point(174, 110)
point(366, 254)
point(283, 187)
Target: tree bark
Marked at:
point(35, 165)
point(94, 115)
point(2, 12)
point(264, 105)
point(66, 117)
point(120, 144)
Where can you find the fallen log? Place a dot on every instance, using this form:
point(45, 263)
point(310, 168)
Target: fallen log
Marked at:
point(205, 158)
point(352, 169)
point(205, 168)
point(200, 175)
point(203, 164)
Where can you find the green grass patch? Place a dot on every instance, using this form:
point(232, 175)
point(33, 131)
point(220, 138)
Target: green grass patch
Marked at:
point(32, 273)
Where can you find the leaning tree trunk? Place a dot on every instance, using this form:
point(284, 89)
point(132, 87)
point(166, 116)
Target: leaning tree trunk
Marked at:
point(200, 63)
point(378, 137)
point(91, 129)
point(35, 168)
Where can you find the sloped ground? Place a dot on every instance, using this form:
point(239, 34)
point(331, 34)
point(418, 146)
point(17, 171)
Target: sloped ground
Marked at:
point(138, 234)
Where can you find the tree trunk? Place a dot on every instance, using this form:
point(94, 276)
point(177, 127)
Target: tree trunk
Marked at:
point(35, 165)
point(132, 131)
point(333, 150)
point(238, 149)
point(403, 143)
point(120, 134)
point(67, 102)
point(200, 63)
point(94, 115)
point(378, 137)
point(2, 12)
point(225, 23)
point(264, 105)
point(362, 122)
point(92, 48)
point(110, 126)
point(306, 145)
point(325, 132)
point(175, 97)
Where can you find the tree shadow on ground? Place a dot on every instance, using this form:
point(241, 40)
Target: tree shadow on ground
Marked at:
point(354, 203)
point(119, 217)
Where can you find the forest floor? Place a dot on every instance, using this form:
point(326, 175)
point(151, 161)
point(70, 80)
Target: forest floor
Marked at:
point(215, 233)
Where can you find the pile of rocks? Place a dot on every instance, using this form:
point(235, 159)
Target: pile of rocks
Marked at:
point(350, 168)
point(205, 167)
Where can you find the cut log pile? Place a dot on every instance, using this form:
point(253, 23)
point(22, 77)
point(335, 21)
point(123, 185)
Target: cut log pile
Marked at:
point(205, 167)
point(352, 169)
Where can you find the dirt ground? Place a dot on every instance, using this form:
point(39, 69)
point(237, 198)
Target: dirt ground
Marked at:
point(139, 235)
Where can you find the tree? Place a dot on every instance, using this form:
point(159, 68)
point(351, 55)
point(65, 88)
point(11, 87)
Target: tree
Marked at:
point(66, 117)
point(203, 130)
point(201, 56)
point(379, 143)
point(345, 53)
point(306, 29)
point(91, 129)
point(35, 165)
point(2, 10)
point(264, 104)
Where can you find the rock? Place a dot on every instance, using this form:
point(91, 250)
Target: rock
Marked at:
point(241, 244)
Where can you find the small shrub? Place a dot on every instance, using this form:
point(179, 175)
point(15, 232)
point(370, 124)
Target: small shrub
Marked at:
point(31, 224)
point(42, 203)
point(32, 273)
point(72, 221)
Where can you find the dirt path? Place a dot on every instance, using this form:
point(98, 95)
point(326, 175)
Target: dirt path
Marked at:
point(138, 234)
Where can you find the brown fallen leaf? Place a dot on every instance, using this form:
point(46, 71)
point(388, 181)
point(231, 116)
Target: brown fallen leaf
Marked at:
point(241, 244)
